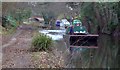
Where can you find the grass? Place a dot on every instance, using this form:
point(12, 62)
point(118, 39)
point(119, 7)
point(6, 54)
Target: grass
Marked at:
point(41, 42)
point(8, 31)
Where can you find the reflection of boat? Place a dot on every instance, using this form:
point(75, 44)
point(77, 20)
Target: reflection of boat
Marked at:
point(78, 36)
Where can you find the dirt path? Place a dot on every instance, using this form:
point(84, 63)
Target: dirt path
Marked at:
point(15, 52)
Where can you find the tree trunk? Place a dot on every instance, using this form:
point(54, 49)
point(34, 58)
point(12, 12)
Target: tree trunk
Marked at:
point(97, 15)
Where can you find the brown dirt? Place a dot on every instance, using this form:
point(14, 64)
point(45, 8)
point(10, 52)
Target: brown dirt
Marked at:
point(17, 54)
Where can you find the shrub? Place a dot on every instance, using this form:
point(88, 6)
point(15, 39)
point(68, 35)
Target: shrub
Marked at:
point(41, 42)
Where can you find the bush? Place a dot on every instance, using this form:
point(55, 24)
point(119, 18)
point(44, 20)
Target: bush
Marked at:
point(41, 42)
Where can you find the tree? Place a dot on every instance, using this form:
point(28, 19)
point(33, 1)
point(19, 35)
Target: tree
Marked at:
point(106, 17)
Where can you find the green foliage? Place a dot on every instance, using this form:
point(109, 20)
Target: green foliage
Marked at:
point(4, 21)
point(8, 22)
point(48, 16)
point(11, 19)
point(20, 14)
point(88, 15)
point(100, 14)
point(41, 42)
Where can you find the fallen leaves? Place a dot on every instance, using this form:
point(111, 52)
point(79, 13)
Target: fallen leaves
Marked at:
point(47, 60)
